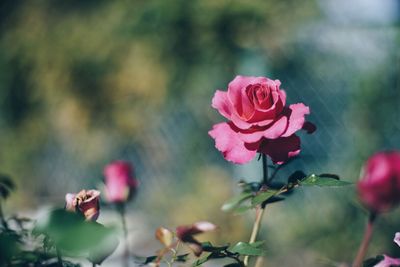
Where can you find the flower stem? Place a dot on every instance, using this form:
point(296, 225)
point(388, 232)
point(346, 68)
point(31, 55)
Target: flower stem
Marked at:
point(365, 242)
point(59, 259)
point(121, 209)
point(260, 209)
point(254, 232)
point(265, 169)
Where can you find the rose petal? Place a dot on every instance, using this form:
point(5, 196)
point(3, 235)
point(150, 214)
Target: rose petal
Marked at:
point(204, 226)
point(228, 142)
point(388, 262)
point(237, 95)
point(281, 149)
point(221, 103)
point(271, 132)
point(397, 238)
point(69, 202)
point(309, 127)
point(296, 118)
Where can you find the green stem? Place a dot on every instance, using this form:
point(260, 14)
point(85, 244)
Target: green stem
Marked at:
point(59, 259)
point(265, 169)
point(365, 242)
point(2, 220)
point(125, 256)
point(260, 209)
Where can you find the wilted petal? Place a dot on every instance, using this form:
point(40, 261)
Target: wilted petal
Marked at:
point(186, 232)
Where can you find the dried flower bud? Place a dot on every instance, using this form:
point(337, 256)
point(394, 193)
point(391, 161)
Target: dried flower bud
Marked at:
point(186, 233)
point(165, 236)
point(85, 202)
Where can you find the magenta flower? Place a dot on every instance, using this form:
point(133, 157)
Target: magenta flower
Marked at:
point(259, 121)
point(120, 183)
point(85, 202)
point(379, 186)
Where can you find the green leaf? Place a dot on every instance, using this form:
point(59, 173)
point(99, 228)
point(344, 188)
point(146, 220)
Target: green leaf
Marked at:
point(242, 209)
point(208, 247)
point(202, 260)
point(234, 202)
point(76, 237)
point(243, 248)
point(260, 198)
point(314, 180)
point(182, 258)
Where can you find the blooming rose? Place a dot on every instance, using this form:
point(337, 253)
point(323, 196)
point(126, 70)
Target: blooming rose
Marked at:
point(379, 186)
point(120, 181)
point(85, 202)
point(259, 121)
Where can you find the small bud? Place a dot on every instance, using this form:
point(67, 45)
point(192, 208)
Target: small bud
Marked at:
point(379, 186)
point(165, 236)
point(120, 183)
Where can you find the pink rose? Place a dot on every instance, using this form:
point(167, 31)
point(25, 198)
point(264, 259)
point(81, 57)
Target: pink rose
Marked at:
point(120, 181)
point(379, 186)
point(259, 121)
point(85, 202)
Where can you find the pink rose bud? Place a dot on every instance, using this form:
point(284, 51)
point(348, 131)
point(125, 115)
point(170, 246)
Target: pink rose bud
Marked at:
point(259, 120)
point(85, 202)
point(379, 186)
point(120, 182)
point(186, 233)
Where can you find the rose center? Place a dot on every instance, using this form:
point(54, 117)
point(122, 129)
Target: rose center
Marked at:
point(260, 96)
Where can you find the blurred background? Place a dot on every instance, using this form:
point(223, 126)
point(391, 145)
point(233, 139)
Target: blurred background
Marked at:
point(83, 83)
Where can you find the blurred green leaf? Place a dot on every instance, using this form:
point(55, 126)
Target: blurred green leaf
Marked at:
point(261, 197)
point(144, 260)
point(6, 186)
point(208, 247)
point(314, 180)
point(76, 237)
point(9, 246)
point(182, 258)
point(202, 260)
point(243, 248)
point(235, 264)
point(234, 202)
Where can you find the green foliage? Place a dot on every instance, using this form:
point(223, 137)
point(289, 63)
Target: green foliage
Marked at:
point(74, 236)
point(322, 181)
point(262, 197)
point(6, 186)
point(254, 194)
point(248, 249)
